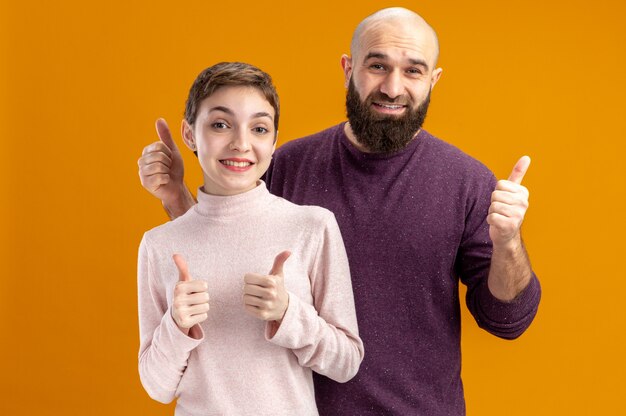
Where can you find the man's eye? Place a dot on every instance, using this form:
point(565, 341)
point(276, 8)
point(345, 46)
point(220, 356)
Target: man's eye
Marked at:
point(414, 71)
point(377, 67)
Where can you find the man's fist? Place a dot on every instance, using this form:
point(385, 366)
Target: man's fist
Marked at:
point(161, 168)
point(509, 202)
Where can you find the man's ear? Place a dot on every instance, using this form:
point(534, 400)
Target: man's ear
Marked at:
point(346, 65)
point(435, 77)
point(186, 130)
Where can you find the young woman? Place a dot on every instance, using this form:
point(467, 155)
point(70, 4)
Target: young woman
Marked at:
point(245, 295)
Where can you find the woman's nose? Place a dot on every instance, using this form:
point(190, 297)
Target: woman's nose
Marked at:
point(240, 141)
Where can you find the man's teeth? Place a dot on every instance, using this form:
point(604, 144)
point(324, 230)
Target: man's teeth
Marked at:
point(390, 106)
point(237, 164)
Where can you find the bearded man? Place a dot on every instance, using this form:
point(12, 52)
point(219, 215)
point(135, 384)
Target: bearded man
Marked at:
point(417, 216)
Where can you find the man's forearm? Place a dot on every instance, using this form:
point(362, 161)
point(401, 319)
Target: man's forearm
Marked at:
point(178, 207)
point(510, 270)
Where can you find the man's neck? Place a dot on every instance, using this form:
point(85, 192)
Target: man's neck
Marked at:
point(352, 138)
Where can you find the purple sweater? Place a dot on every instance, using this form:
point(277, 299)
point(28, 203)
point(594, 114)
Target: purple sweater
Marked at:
point(413, 223)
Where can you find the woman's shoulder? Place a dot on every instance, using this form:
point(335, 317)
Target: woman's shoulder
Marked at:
point(172, 230)
point(304, 213)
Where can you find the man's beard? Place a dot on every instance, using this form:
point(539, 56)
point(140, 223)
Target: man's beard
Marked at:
point(380, 133)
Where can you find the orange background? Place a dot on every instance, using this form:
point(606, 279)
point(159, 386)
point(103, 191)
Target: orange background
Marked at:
point(81, 84)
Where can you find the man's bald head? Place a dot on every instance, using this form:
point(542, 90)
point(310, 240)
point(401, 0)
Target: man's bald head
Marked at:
point(394, 16)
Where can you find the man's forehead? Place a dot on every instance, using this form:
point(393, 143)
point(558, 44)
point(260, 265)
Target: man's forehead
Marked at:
point(397, 39)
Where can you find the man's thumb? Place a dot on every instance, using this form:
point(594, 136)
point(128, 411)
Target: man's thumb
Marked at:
point(164, 134)
point(519, 170)
point(181, 265)
point(277, 268)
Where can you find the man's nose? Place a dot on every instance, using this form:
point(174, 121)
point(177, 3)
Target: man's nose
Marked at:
point(392, 85)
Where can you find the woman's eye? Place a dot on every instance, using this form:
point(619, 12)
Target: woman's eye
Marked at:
point(260, 130)
point(219, 125)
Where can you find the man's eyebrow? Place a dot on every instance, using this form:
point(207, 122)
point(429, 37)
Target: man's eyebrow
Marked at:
point(383, 56)
point(375, 55)
point(419, 62)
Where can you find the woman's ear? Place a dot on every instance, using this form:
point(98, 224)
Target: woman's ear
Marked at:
point(186, 130)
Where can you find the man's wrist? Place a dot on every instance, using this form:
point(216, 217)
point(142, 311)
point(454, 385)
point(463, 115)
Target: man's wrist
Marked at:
point(510, 269)
point(512, 246)
point(179, 205)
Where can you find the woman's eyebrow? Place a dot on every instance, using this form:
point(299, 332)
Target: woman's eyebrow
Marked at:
point(262, 114)
point(222, 108)
point(232, 113)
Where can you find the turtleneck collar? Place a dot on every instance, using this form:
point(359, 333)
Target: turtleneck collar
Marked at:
point(232, 206)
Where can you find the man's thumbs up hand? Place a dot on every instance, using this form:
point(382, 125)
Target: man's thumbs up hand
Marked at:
point(509, 202)
point(161, 168)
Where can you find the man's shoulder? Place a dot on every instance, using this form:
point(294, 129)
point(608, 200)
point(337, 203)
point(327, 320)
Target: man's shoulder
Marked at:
point(310, 143)
point(451, 158)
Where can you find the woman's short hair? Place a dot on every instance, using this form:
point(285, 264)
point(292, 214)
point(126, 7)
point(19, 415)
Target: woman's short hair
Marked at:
point(232, 74)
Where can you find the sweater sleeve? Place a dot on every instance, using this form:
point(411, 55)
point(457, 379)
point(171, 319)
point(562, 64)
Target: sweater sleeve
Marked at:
point(164, 349)
point(324, 336)
point(506, 320)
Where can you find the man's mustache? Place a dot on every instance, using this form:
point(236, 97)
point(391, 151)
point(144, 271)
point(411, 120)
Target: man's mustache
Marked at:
point(382, 98)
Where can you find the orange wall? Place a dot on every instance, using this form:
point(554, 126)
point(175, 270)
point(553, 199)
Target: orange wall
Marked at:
point(81, 84)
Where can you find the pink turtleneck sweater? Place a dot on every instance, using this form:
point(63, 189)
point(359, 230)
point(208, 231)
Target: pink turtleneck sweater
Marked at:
point(237, 367)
